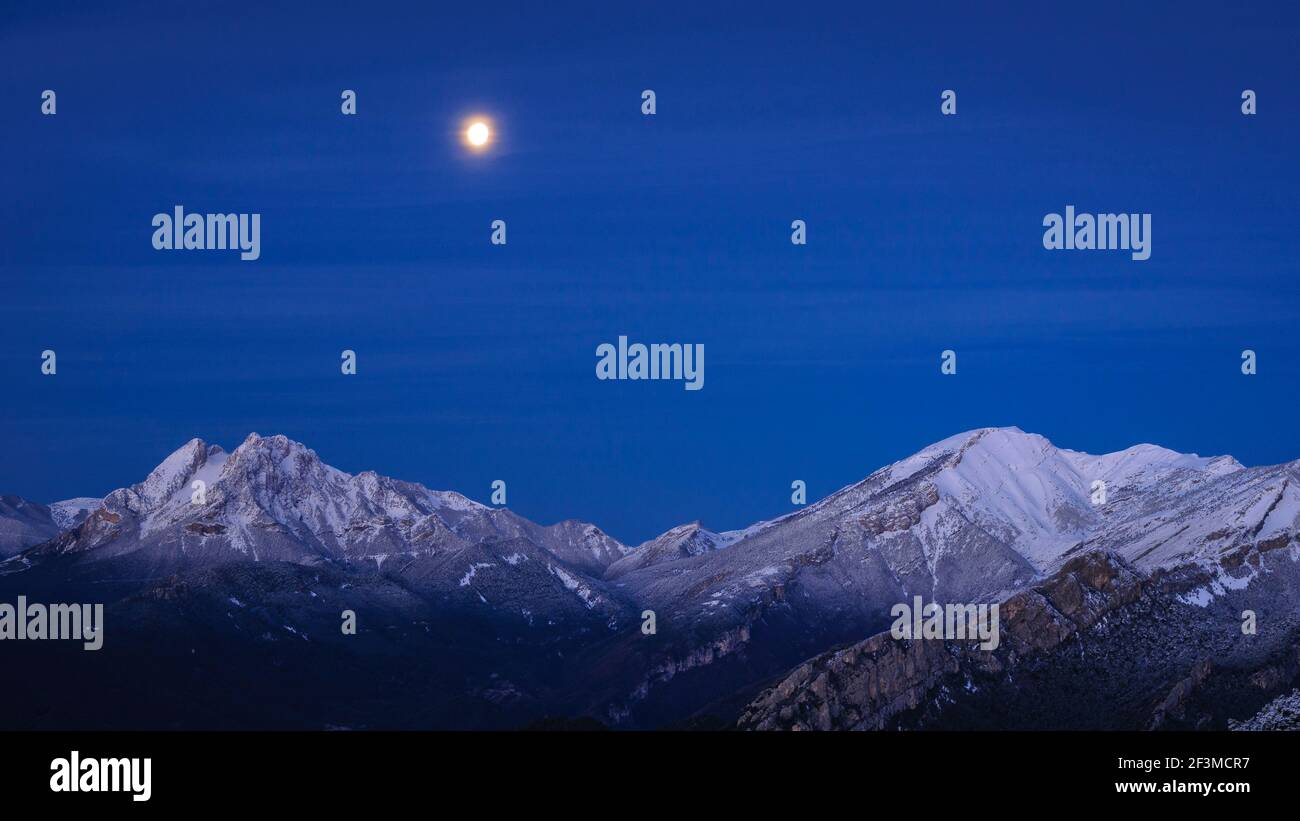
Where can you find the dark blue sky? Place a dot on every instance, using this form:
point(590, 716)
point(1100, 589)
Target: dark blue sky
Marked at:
point(478, 362)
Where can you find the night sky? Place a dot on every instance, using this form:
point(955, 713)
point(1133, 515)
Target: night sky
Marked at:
point(477, 362)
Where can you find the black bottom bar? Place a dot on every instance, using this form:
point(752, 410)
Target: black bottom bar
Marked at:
point(332, 771)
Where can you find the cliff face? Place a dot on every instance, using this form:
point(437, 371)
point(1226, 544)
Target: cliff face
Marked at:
point(1098, 645)
point(875, 683)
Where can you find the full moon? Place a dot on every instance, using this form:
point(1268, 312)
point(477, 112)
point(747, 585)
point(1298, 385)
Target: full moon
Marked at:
point(478, 134)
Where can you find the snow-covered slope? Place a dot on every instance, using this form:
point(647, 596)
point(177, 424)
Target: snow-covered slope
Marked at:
point(1225, 524)
point(72, 512)
point(681, 542)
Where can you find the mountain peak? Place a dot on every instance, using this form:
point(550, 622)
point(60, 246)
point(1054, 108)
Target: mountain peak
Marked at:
point(172, 473)
point(279, 454)
point(1014, 449)
point(275, 442)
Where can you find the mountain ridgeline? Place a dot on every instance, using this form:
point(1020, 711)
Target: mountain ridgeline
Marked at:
point(223, 606)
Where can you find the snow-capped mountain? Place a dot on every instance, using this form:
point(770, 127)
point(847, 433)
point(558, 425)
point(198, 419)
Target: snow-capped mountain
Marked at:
point(966, 519)
point(272, 499)
point(547, 619)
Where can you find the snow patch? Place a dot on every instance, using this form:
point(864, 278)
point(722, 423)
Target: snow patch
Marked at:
point(469, 575)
